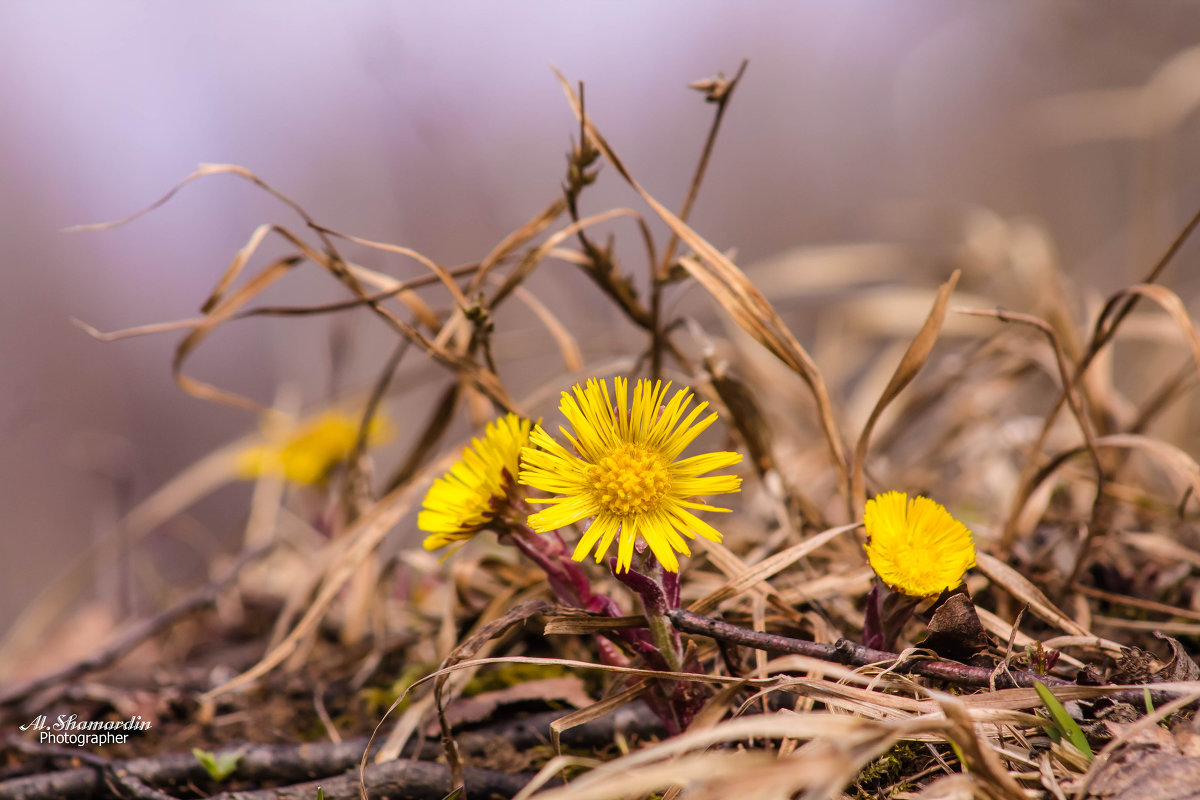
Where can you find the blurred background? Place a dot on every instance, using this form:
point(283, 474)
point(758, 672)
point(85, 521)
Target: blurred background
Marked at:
point(441, 127)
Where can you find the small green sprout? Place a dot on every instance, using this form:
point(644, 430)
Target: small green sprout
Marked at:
point(219, 767)
point(1061, 722)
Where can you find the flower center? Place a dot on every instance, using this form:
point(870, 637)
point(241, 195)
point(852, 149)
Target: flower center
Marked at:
point(630, 480)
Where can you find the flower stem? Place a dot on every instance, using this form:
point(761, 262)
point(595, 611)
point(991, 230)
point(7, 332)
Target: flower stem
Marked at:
point(662, 632)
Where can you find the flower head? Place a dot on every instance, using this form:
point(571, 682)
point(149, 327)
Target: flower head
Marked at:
point(625, 471)
point(915, 546)
point(468, 497)
point(305, 453)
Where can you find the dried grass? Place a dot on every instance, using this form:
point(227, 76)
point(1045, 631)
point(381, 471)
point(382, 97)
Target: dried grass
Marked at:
point(968, 415)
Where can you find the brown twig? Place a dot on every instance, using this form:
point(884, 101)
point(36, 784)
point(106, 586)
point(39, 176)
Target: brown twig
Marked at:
point(310, 761)
point(413, 780)
point(856, 655)
point(719, 91)
point(345, 305)
point(331, 766)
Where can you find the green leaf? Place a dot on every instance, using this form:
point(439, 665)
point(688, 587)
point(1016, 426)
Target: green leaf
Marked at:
point(1062, 720)
point(219, 767)
point(1149, 700)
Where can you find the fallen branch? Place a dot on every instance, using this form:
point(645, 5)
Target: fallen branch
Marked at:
point(312, 761)
point(411, 780)
point(856, 655)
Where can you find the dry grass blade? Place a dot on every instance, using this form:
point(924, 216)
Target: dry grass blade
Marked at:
point(730, 287)
point(1064, 372)
point(137, 330)
point(914, 358)
point(568, 348)
point(221, 309)
point(1003, 631)
point(363, 537)
point(202, 171)
point(733, 567)
point(438, 270)
point(594, 711)
point(1101, 336)
point(517, 239)
point(467, 649)
point(400, 290)
point(1016, 584)
point(537, 254)
point(979, 755)
point(1076, 405)
point(336, 265)
point(391, 287)
point(563, 662)
point(717, 707)
point(1150, 110)
point(673, 762)
point(766, 568)
point(1170, 302)
point(578, 623)
point(1170, 455)
point(219, 314)
point(703, 769)
point(1164, 547)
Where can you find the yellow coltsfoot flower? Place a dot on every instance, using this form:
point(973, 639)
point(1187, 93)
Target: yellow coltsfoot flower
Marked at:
point(305, 453)
point(469, 496)
point(625, 471)
point(915, 546)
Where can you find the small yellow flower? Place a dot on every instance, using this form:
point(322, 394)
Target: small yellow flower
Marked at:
point(915, 546)
point(624, 471)
point(468, 497)
point(306, 453)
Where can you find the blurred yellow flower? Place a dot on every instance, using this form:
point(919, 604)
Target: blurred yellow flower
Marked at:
point(468, 497)
point(624, 471)
point(915, 546)
point(307, 452)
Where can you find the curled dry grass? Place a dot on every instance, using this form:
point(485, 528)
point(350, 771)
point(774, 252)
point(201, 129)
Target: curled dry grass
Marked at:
point(1081, 521)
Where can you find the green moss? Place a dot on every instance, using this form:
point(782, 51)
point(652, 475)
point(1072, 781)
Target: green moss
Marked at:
point(503, 676)
point(380, 698)
point(888, 771)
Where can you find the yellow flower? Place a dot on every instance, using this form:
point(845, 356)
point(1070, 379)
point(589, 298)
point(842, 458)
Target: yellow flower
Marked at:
point(469, 496)
point(915, 546)
point(306, 453)
point(624, 471)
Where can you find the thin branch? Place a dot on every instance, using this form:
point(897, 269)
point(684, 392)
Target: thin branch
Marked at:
point(719, 91)
point(857, 655)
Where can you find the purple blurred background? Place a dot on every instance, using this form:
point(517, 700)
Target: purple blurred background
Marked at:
point(441, 127)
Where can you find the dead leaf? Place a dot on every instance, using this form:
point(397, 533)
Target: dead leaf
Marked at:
point(955, 631)
point(1182, 667)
